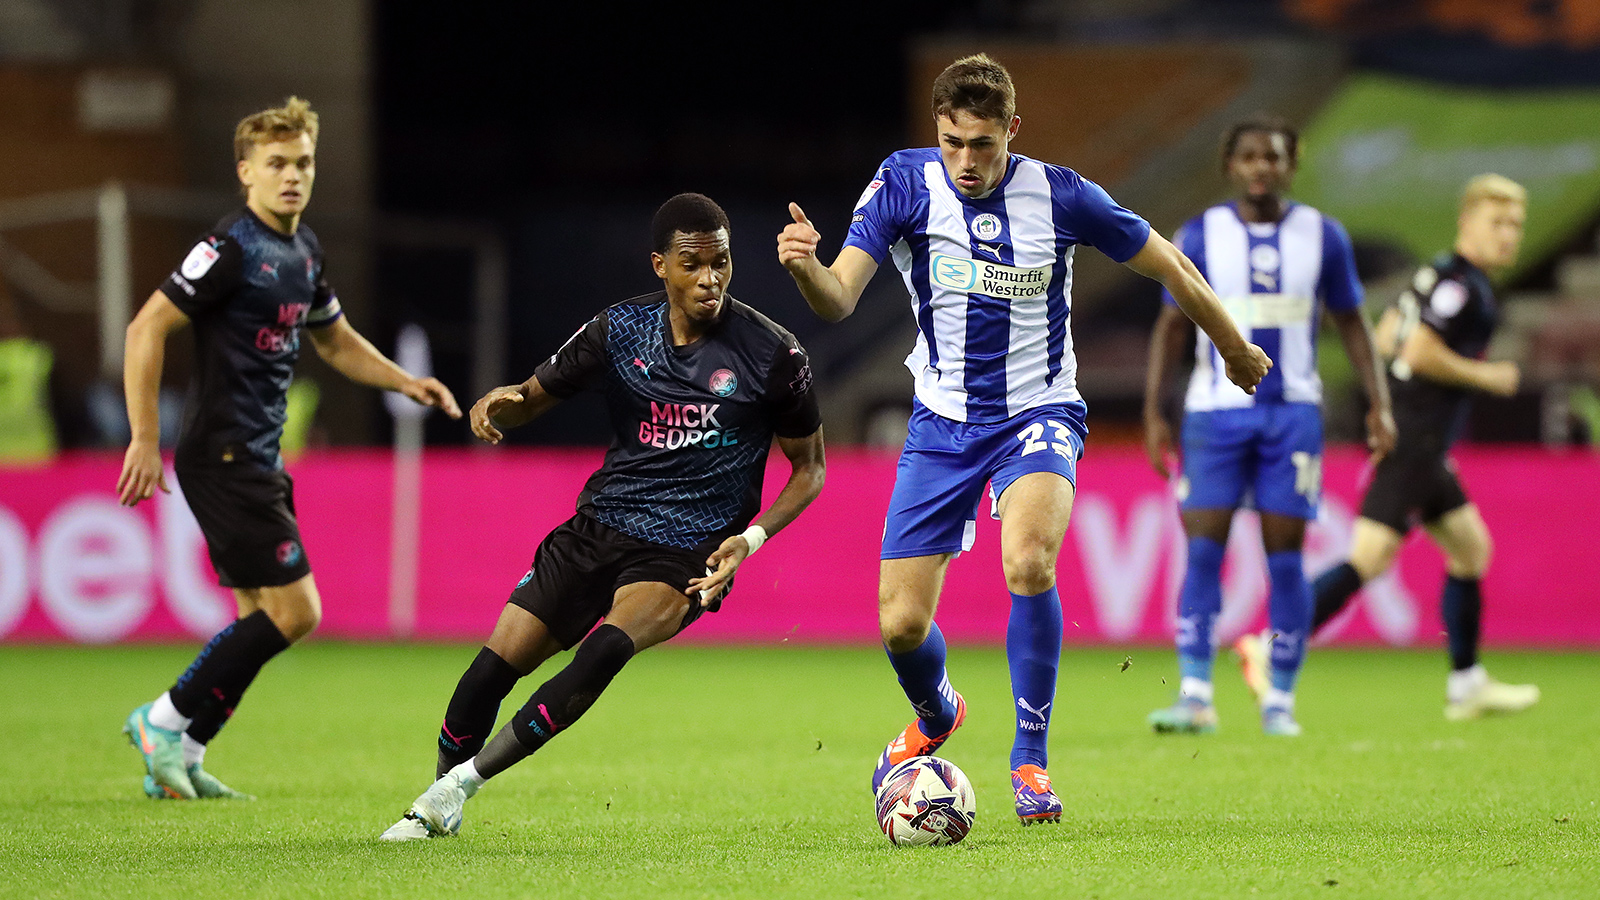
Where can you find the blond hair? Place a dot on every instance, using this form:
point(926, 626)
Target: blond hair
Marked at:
point(1490, 186)
point(977, 84)
point(294, 117)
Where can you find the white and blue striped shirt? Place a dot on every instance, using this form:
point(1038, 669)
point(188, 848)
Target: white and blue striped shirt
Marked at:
point(1274, 278)
point(990, 279)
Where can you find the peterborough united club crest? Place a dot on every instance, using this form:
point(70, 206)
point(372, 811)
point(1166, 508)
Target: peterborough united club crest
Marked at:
point(724, 382)
point(288, 553)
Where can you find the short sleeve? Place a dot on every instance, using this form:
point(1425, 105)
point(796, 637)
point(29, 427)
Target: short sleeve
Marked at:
point(1447, 299)
point(579, 364)
point(880, 213)
point(1095, 220)
point(325, 308)
point(1341, 287)
point(1190, 239)
point(210, 272)
point(790, 397)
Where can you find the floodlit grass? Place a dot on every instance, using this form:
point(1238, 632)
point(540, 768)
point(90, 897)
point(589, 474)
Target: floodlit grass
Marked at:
point(743, 773)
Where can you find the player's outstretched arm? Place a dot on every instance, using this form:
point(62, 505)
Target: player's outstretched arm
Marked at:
point(808, 467)
point(1356, 335)
point(144, 353)
point(508, 407)
point(1247, 364)
point(831, 291)
point(1429, 356)
point(1166, 342)
point(354, 357)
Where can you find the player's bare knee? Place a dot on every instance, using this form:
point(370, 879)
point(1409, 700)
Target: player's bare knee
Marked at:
point(1371, 564)
point(1030, 570)
point(1471, 559)
point(295, 622)
point(649, 619)
point(902, 629)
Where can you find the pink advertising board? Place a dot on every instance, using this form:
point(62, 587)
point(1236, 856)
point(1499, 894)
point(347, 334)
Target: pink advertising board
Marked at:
point(74, 566)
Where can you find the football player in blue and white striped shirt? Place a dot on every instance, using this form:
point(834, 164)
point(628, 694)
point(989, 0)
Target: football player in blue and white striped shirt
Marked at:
point(984, 240)
point(1276, 265)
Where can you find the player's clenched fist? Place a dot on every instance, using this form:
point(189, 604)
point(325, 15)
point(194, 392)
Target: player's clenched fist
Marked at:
point(798, 240)
point(1248, 367)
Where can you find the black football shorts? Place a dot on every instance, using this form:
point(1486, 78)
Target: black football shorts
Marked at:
point(580, 566)
point(1410, 487)
point(247, 516)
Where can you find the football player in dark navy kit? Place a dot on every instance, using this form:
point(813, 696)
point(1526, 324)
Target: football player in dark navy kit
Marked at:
point(1436, 335)
point(248, 287)
point(697, 386)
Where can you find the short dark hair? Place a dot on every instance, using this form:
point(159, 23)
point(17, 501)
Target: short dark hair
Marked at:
point(978, 85)
point(1263, 123)
point(688, 213)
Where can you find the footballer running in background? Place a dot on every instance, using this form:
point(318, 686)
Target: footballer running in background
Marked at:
point(248, 288)
point(984, 240)
point(1276, 265)
point(697, 385)
point(1436, 335)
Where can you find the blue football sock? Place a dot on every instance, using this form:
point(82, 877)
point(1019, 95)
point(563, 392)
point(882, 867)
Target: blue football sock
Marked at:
point(1033, 649)
point(1289, 612)
point(1199, 603)
point(923, 678)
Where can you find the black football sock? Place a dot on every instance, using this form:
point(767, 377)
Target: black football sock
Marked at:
point(470, 716)
point(558, 702)
point(1332, 590)
point(203, 727)
point(1461, 607)
point(210, 688)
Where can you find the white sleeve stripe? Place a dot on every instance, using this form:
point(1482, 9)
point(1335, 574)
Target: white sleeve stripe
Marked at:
point(325, 314)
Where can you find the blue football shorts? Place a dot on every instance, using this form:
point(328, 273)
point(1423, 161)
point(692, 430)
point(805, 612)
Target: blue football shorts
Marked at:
point(1266, 457)
point(946, 463)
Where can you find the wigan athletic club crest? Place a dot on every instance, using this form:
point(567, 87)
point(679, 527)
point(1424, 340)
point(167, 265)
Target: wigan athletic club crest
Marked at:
point(724, 382)
point(986, 227)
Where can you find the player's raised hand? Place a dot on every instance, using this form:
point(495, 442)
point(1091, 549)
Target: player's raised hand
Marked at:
point(798, 240)
point(142, 474)
point(720, 567)
point(483, 412)
point(1247, 367)
point(1158, 444)
point(432, 392)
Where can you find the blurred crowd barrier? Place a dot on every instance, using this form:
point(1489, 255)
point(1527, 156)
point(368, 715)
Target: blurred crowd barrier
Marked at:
point(75, 566)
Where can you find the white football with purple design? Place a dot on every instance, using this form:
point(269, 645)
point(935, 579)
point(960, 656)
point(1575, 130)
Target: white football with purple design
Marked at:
point(926, 801)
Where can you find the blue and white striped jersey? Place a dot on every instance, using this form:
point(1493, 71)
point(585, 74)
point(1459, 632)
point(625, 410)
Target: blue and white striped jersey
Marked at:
point(990, 279)
point(1274, 278)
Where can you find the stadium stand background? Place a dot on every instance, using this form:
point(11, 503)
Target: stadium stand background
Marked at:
point(553, 140)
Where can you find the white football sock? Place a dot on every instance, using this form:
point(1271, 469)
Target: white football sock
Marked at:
point(194, 752)
point(469, 777)
point(1192, 688)
point(164, 715)
point(1276, 699)
point(1462, 682)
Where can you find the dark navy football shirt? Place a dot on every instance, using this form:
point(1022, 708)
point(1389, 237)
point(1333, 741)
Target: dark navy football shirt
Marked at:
point(248, 290)
point(1455, 298)
point(691, 425)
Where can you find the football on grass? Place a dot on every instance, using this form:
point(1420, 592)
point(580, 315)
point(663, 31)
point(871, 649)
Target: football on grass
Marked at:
point(926, 801)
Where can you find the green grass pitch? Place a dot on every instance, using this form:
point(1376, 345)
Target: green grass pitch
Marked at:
point(743, 772)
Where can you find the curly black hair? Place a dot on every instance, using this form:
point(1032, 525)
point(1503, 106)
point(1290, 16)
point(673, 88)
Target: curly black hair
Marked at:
point(688, 213)
point(1265, 124)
